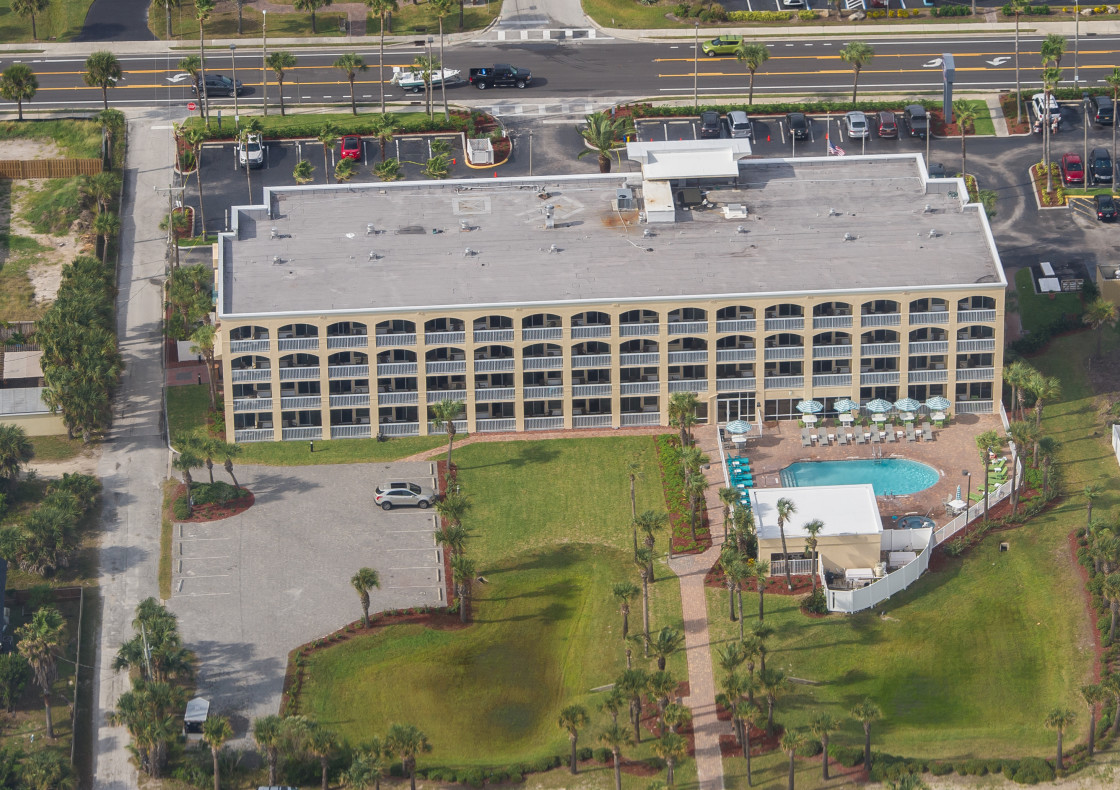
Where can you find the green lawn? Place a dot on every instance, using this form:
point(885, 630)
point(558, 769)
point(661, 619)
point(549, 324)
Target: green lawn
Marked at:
point(628, 14)
point(61, 21)
point(76, 139)
point(57, 448)
point(309, 125)
point(1039, 310)
point(550, 534)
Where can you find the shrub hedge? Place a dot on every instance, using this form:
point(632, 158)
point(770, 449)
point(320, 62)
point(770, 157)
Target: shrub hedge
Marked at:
point(818, 107)
point(847, 756)
point(1031, 10)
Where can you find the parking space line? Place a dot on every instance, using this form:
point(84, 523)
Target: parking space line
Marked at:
point(416, 568)
point(425, 549)
point(402, 531)
point(412, 587)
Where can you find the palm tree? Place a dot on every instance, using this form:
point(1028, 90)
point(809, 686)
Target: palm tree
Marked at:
point(202, 340)
point(178, 224)
point(785, 508)
point(773, 683)
point(18, 84)
point(791, 742)
point(1048, 446)
point(601, 134)
point(463, 571)
point(682, 414)
point(1093, 694)
point(728, 560)
point(102, 71)
point(1111, 686)
point(865, 713)
point(1098, 315)
point(202, 11)
point(644, 561)
point(367, 767)
point(667, 642)
point(651, 521)
point(1113, 81)
point(15, 451)
point(1017, 375)
point(30, 8)
point(734, 687)
point(442, 8)
point(823, 725)
point(1022, 434)
point(614, 738)
point(752, 56)
point(1051, 76)
point(1044, 388)
point(268, 732)
point(1018, 7)
point(322, 743)
point(760, 572)
point(1058, 719)
point(444, 413)
point(216, 731)
point(328, 136)
point(408, 742)
point(312, 6)
point(186, 460)
point(1052, 48)
point(728, 497)
point(350, 64)
point(383, 129)
point(966, 113)
point(1110, 590)
point(572, 719)
point(670, 747)
point(749, 716)
point(40, 639)
point(695, 488)
point(383, 9)
point(363, 581)
point(280, 62)
point(814, 528)
point(856, 54)
point(624, 591)
point(675, 716)
point(632, 683)
point(226, 452)
point(195, 137)
point(985, 443)
point(633, 474)
point(451, 507)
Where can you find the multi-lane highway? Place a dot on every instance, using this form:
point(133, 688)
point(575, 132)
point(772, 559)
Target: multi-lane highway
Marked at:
point(588, 69)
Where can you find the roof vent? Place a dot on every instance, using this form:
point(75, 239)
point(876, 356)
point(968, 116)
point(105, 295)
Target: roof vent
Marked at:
point(624, 198)
point(276, 260)
point(369, 229)
point(553, 249)
point(373, 256)
point(928, 209)
point(740, 229)
point(933, 234)
point(647, 233)
point(833, 212)
point(849, 237)
point(275, 233)
point(468, 252)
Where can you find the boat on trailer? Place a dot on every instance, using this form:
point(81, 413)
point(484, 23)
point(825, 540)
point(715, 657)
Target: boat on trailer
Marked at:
point(413, 81)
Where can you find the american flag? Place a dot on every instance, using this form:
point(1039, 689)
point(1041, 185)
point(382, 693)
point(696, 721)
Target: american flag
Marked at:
point(835, 150)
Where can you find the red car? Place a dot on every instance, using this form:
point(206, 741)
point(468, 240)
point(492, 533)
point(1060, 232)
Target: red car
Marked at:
point(1072, 170)
point(351, 147)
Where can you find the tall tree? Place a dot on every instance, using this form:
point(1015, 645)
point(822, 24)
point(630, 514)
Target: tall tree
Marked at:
point(1051, 76)
point(350, 64)
point(1110, 590)
point(202, 11)
point(1052, 48)
point(186, 460)
point(281, 62)
point(866, 713)
point(644, 561)
point(444, 413)
point(1093, 694)
point(322, 743)
point(226, 452)
point(16, 450)
point(822, 725)
point(202, 342)
point(773, 683)
point(1017, 375)
point(965, 113)
point(729, 498)
point(327, 137)
point(601, 136)
point(106, 225)
point(1044, 388)
point(39, 640)
point(363, 581)
point(1113, 81)
point(633, 474)
point(384, 127)
point(760, 571)
point(614, 738)
point(29, 8)
point(729, 561)
point(18, 84)
point(463, 573)
point(167, 5)
point(103, 70)
point(986, 444)
point(749, 716)
point(268, 732)
point(624, 591)
point(814, 528)
point(785, 508)
point(1022, 434)
point(312, 6)
point(671, 748)
point(216, 730)
point(792, 740)
point(573, 718)
point(408, 742)
point(682, 414)
point(178, 224)
point(1058, 719)
point(856, 54)
point(649, 522)
point(383, 9)
point(443, 8)
point(1099, 314)
point(752, 56)
point(1018, 7)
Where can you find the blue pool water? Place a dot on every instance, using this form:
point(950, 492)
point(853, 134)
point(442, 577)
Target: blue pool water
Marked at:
point(886, 475)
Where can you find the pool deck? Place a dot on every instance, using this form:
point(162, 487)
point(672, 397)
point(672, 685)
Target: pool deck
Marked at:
point(953, 450)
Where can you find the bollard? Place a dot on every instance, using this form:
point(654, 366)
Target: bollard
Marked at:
point(311, 445)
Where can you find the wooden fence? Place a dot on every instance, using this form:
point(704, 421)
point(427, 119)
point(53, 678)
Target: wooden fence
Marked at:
point(48, 168)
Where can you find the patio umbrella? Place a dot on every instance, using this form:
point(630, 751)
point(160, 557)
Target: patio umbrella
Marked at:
point(845, 404)
point(880, 406)
point(938, 403)
point(738, 427)
point(809, 406)
point(907, 404)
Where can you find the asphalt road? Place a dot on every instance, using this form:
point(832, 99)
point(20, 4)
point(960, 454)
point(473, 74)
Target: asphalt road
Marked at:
point(589, 69)
point(117, 20)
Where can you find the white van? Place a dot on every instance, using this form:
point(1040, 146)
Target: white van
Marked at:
point(740, 124)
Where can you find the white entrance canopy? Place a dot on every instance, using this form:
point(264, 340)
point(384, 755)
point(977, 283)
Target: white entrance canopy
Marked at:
point(845, 510)
point(677, 159)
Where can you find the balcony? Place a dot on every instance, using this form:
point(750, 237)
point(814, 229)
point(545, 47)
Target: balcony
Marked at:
point(399, 428)
point(350, 341)
point(880, 349)
point(396, 369)
point(639, 418)
point(832, 322)
point(351, 400)
point(252, 404)
point(929, 347)
point(494, 393)
point(880, 319)
point(301, 402)
point(543, 393)
point(544, 423)
point(737, 325)
point(302, 434)
point(638, 330)
point(832, 380)
point(735, 385)
point(446, 366)
point(591, 391)
point(927, 376)
point(444, 338)
point(394, 340)
point(250, 374)
point(832, 352)
point(688, 327)
point(435, 396)
point(640, 388)
point(542, 363)
point(591, 361)
point(300, 373)
point(976, 316)
point(775, 324)
point(351, 431)
point(879, 377)
point(348, 371)
point(591, 421)
point(543, 333)
point(494, 365)
point(493, 425)
point(975, 374)
point(687, 357)
point(735, 355)
point(784, 382)
point(626, 360)
point(493, 335)
point(298, 343)
point(973, 407)
point(784, 352)
point(253, 435)
point(689, 385)
point(966, 346)
point(438, 430)
point(594, 330)
point(395, 398)
point(925, 319)
point(247, 346)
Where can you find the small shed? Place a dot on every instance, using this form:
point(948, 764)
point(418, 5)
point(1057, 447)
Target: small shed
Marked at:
point(198, 709)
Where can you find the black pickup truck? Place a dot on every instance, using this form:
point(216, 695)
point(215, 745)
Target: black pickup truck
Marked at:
point(500, 75)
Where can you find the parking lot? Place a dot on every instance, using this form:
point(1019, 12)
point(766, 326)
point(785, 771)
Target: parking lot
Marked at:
point(251, 588)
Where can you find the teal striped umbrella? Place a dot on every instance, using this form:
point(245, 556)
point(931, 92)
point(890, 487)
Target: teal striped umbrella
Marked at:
point(845, 404)
point(907, 404)
point(880, 406)
point(809, 406)
point(738, 427)
point(938, 403)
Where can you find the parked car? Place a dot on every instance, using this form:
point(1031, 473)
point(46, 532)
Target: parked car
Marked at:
point(709, 124)
point(351, 147)
point(250, 152)
point(500, 75)
point(721, 45)
point(1100, 166)
point(739, 124)
point(220, 85)
point(888, 126)
point(1106, 208)
point(403, 494)
point(937, 170)
point(917, 120)
point(856, 122)
point(1072, 170)
point(1102, 110)
point(798, 125)
point(1038, 101)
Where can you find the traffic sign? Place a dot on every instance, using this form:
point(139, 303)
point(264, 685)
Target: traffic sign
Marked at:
point(192, 106)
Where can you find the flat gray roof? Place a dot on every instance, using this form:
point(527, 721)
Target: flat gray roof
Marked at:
point(22, 400)
point(857, 223)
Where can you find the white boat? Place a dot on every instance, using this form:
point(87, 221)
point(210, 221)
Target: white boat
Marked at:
point(414, 80)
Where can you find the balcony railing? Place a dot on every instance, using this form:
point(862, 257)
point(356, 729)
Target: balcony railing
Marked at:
point(543, 333)
point(929, 347)
point(493, 424)
point(444, 338)
point(640, 388)
point(397, 398)
point(399, 428)
point(438, 429)
point(689, 385)
point(652, 358)
point(301, 402)
point(349, 341)
point(773, 324)
point(492, 335)
point(543, 393)
point(591, 421)
point(735, 354)
point(933, 317)
point(446, 366)
point(542, 363)
point(880, 349)
point(975, 374)
point(253, 435)
point(435, 396)
point(591, 391)
point(736, 325)
point(687, 327)
point(832, 322)
point(493, 365)
point(974, 407)
point(784, 352)
point(304, 433)
point(927, 376)
point(396, 369)
point(591, 361)
point(298, 343)
point(880, 319)
point(796, 567)
point(348, 371)
point(975, 316)
point(251, 374)
point(392, 339)
point(964, 346)
point(494, 393)
point(879, 377)
point(351, 431)
point(832, 352)
point(350, 400)
point(594, 330)
point(687, 357)
point(735, 385)
point(638, 330)
point(639, 418)
point(832, 380)
point(299, 374)
point(252, 404)
point(784, 382)
point(543, 423)
point(245, 346)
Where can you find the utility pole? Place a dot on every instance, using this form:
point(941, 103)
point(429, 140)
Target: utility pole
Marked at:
point(264, 57)
point(233, 59)
point(172, 245)
point(1076, 38)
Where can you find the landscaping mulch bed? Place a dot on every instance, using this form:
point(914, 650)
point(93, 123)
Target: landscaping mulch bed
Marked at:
point(775, 585)
point(761, 743)
point(448, 580)
point(1007, 103)
point(214, 511)
point(942, 129)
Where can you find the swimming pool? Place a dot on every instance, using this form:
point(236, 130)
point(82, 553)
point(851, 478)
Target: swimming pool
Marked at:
point(886, 475)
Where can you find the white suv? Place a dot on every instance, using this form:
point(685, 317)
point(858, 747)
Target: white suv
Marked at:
point(250, 153)
point(403, 494)
point(1039, 102)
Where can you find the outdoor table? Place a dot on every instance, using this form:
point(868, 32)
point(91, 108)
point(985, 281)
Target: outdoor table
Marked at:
point(810, 419)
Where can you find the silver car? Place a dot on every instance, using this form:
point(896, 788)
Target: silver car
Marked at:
point(403, 494)
point(856, 122)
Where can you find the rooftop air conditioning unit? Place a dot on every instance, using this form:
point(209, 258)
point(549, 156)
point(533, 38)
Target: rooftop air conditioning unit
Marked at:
point(624, 199)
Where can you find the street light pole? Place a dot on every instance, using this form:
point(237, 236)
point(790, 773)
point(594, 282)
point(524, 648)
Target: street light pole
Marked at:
point(264, 57)
point(1076, 38)
point(968, 494)
point(696, 65)
point(233, 58)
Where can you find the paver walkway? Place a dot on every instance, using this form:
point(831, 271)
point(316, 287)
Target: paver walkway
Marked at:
point(996, 111)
